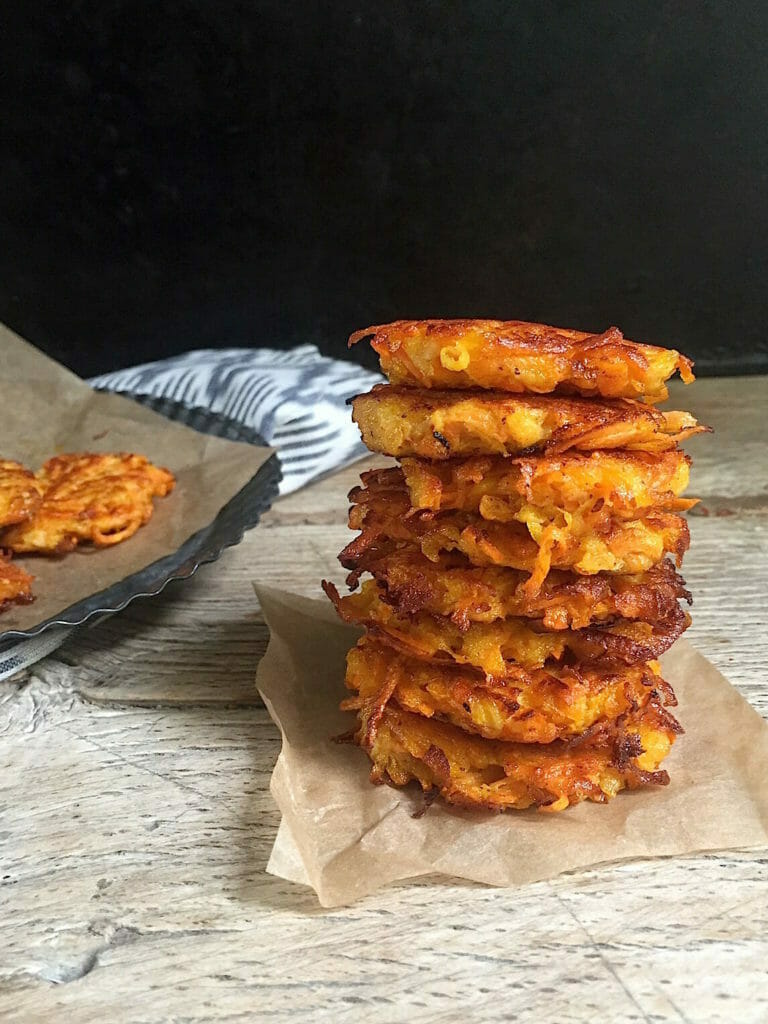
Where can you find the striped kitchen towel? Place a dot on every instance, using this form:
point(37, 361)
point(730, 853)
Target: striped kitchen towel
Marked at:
point(295, 399)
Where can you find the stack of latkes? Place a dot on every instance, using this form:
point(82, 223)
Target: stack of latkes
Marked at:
point(521, 589)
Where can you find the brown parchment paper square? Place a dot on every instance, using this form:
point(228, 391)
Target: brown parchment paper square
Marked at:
point(48, 410)
point(346, 838)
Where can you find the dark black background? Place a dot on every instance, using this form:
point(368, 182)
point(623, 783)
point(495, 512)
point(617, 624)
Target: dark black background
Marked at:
point(209, 172)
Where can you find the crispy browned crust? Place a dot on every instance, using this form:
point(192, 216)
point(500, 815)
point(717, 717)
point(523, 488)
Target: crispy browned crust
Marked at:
point(100, 499)
point(475, 772)
point(517, 356)
point(19, 493)
point(441, 424)
point(495, 648)
point(15, 584)
point(451, 586)
point(386, 514)
point(531, 706)
point(598, 485)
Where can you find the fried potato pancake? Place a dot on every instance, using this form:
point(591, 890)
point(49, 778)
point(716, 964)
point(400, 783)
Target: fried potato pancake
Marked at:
point(474, 772)
point(19, 493)
point(537, 546)
point(100, 499)
point(15, 584)
point(493, 647)
point(445, 424)
point(596, 486)
point(522, 357)
point(452, 587)
point(536, 706)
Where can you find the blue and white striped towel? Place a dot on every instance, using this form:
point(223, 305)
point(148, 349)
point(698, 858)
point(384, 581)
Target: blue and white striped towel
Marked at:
point(295, 399)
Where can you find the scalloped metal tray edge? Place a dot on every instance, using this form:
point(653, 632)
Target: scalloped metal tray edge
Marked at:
point(241, 513)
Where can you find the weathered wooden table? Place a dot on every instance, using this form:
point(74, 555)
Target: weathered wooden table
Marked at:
point(137, 821)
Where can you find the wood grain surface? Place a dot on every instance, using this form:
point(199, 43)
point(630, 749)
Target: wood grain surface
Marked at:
point(136, 820)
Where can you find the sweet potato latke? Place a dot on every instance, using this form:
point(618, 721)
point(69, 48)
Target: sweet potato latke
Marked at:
point(19, 493)
point(479, 773)
point(493, 647)
point(596, 485)
point(536, 545)
point(401, 421)
point(451, 586)
point(100, 499)
point(530, 706)
point(15, 584)
point(522, 357)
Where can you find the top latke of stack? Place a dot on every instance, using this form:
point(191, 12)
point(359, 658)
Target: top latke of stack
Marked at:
point(520, 588)
point(518, 357)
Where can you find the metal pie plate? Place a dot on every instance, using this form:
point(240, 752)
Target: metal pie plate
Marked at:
point(241, 513)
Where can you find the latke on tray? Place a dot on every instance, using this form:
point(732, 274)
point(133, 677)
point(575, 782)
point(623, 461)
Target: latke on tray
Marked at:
point(89, 498)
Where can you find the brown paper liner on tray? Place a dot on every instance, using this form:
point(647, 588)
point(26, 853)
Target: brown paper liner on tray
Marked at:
point(50, 411)
point(346, 838)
